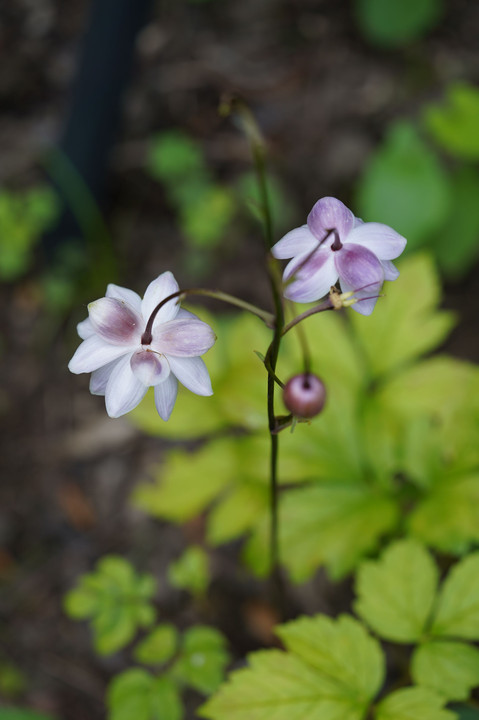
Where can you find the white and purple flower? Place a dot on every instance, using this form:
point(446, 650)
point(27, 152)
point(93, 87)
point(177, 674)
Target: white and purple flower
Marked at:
point(126, 358)
point(335, 244)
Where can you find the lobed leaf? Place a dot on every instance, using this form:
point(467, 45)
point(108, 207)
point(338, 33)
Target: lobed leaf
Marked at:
point(412, 703)
point(457, 611)
point(449, 668)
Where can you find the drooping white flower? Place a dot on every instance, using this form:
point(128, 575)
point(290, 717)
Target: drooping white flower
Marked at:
point(124, 365)
point(335, 244)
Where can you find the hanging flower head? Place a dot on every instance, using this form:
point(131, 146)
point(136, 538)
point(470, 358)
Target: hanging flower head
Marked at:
point(335, 244)
point(125, 360)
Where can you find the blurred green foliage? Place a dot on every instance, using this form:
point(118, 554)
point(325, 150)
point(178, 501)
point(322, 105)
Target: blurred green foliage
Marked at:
point(191, 571)
point(117, 600)
point(24, 216)
point(429, 192)
point(393, 450)
point(395, 23)
point(10, 713)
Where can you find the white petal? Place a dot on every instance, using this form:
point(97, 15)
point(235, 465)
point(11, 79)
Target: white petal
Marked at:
point(93, 353)
point(192, 373)
point(390, 270)
point(158, 290)
point(115, 321)
point(123, 391)
point(85, 329)
point(165, 396)
point(99, 378)
point(380, 239)
point(313, 279)
point(149, 367)
point(182, 314)
point(296, 242)
point(183, 338)
point(129, 296)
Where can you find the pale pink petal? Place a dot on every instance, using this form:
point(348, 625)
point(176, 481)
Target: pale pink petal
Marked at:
point(85, 329)
point(313, 276)
point(330, 214)
point(164, 285)
point(182, 314)
point(183, 338)
point(93, 353)
point(130, 297)
point(149, 367)
point(361, 272)
point(296, 242)
point(165, 396)
point(380, 239)
point(115, 321)
point(192, 373)
point(123, 391)
point(99, 378)
point(390, 270)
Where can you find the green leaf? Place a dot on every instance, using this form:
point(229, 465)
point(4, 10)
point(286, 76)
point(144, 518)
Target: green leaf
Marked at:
point(157, 647)
point(341, 649)
point(465, 712)
point(406, 323)
point(206, 218)
point(405, 186)
point(328, 524)
point(450, 668)
point(203, 658)
point(412, 703)
point(457, 245)
point(333, 679)
point(191, 571)
point(137, 694)
point(396, 593)
point(116, 599)
point(447, 518)
point(397, 22)
point(453, 125)
point(457, 610)
point(174, 156)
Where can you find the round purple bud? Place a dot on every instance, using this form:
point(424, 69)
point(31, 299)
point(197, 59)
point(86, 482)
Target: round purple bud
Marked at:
point(304, 395)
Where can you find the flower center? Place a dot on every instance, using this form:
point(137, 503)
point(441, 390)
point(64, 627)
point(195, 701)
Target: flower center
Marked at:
point(337, 244)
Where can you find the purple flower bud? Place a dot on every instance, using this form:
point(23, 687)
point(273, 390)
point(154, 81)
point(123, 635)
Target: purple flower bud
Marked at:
point(304, 395)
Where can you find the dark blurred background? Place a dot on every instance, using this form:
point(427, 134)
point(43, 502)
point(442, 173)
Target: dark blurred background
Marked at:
point(116, 165)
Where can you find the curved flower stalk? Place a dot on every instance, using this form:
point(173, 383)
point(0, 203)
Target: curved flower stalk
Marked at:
point(335, 244)
point(123, 366)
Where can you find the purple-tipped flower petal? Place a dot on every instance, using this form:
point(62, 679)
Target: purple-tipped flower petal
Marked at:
point(334, 246)
point(123, 367)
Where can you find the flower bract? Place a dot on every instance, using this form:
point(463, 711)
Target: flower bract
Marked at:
point(333, 245)
point(123, 366)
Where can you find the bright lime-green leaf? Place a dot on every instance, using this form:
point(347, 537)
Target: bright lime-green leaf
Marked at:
point(450, 668)
point(396, 593)
point(457, 610)
point(116, 599)
point(202, 661)
point(332, 680)
point(191, 571)
point(331, 525)
point(448, 516)
point(397, 22)
point(456, 247)
point(188, 483)
point(205, 219)
point(454, 124)
point(236, 512)
point(157, 647)
point(137, 694)
point(405, 186)
point(406, 323)
point(341, 649)
point(413, 703)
